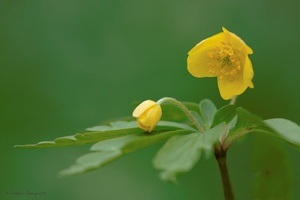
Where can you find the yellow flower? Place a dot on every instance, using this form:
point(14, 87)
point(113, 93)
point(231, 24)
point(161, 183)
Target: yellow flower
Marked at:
point(148, 114)
point(224, 55)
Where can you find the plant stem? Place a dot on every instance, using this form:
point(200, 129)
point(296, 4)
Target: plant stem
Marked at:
point(182, 107)
point(221, 158)
point(220, 154)
point(233, 100)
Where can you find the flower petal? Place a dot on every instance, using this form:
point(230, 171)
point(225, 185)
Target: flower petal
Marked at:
point(198, 64)
point(210, 42)
point(230, 88)
point(198, 60)
point(145, 105)
point(248, 72)
point(237, 42)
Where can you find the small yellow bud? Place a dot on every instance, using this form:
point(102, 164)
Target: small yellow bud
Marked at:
point(148, 114)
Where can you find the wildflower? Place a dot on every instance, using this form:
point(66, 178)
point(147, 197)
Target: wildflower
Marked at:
point(225, 56)
point(148, 114)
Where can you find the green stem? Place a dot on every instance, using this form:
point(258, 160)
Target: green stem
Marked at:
point(183, 108)
point(220, 154)
point(233, 100)
point(221, 158)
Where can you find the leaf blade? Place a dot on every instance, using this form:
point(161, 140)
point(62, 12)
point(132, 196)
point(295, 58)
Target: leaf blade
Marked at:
point(224, 114)
point(285, 129)
point(181, 153)
point(104, 132)
point(207, 111)
point(107, 151)
point(246, 122)
point(82, 138)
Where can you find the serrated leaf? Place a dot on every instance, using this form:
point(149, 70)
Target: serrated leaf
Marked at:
point(109, 150)
point(224, 114)
point(133, 124)
point(181, 153)
point(82, 138)
point(208, 111)
point(246, 122)
point(90, 162)
point(100, 133)
point(272, 169)
point(132, 143)
point(114, 126)
point(285, 129)
point(173, 124)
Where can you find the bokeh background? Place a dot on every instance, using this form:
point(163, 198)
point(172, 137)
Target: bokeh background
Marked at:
point(67, 65)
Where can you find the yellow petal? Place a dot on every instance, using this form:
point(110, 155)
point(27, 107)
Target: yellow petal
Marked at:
point(198, 60)
point(237, 42)
point(248, 73)
point(148, 114)
point(230, 88)
point(209, 43)
point(142, 107)
point(155, 116)
point(149, 119)
point(198, 64)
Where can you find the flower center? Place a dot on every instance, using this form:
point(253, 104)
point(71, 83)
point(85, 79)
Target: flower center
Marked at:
point(224, 61)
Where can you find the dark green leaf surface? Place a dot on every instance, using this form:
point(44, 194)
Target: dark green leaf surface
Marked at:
point(208, 111)
point(246, 122)
point(109, 150)
point(285, 129)
point(181, 153)
point(224, 114)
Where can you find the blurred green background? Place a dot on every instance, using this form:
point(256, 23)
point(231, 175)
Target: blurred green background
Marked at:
point(67, 65)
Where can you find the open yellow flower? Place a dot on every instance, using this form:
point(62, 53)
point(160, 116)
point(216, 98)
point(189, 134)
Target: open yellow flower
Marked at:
point(148, 114)
point(224, 55)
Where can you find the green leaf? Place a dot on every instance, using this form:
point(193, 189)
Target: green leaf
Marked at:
point(198, 118)
point(168, 124)
point(246, 122)
point(109, 150)
point(90, 162)
point(208, 111)
point(285, 129)
point(104, 132)
point(181, 153)
point(114, 126)
point(82, 138)
point(272, 169)
point(140, 141)
point(224, 114)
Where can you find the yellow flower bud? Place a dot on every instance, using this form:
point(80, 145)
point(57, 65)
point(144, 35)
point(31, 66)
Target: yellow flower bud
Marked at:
point(148, 114)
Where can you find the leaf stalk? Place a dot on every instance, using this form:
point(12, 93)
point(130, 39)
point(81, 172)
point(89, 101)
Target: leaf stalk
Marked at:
point(182, 107)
